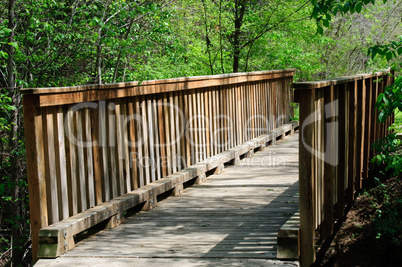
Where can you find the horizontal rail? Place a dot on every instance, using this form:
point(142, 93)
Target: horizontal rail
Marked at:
point(338, 124)
point(337, 81)
point(56, 239)
point(78, 94)
point(88, 145)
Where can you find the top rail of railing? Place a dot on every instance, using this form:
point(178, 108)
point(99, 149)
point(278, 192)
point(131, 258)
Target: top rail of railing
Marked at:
point(167, 85)
point(337, 81)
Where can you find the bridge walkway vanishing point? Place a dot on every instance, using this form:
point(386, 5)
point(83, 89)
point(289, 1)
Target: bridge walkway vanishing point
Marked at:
point(231, 219)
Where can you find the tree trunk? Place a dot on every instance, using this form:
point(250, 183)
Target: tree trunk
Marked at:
point(207, 40)
point(98, 57)
point(14, 136)
point(239, 13)
point(120, 53)
point(220, 35)
point(10, 60)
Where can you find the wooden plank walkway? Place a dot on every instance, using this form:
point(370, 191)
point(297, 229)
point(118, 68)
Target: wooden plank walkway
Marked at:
point(231, 219)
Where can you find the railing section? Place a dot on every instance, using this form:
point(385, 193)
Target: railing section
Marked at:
point(338, 124)
point(89, 144)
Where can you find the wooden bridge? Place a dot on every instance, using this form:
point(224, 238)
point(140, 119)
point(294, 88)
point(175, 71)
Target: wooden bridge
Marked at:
point(231, 218)
point(104, 157)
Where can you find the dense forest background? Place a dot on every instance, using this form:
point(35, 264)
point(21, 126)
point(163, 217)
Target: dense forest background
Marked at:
point(64, 43)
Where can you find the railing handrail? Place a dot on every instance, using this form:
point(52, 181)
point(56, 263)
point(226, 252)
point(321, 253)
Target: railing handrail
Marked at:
point(213, 80)
point(338, 124)
point(336, 81)
point(214, 114)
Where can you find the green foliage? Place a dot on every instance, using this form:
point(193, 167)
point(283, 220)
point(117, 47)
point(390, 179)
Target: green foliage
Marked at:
point(398, 122)
point(296, 110)
point(13, 191)
point(390, 50)
point(387, 200)
point(325, 9)
point(65, 43)
point(388, 224)
point(388, 154)
point(390, 101)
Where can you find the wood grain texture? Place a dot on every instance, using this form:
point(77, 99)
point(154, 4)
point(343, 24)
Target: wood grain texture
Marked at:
point(220, 113)
point(236, 214)
point(35, 168)
point(344, 128)
point(307, 178)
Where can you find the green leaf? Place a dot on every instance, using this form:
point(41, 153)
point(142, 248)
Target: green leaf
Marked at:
point(389, 55)
point(381, 116)
point(3, 55)
point(320, 30)
point(314, 14)
point(346, 7)
point(358, 8)
point(374, 52)
point(386, 101)
point(325, 23)
point(14, 44)
point(399, 50)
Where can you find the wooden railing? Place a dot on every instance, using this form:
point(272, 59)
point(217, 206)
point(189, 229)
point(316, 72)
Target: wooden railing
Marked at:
point(95, 151)
point(338, 124)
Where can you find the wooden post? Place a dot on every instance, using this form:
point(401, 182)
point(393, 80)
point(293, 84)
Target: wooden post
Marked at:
point(306, 174)
point(35, 169)
point(352, 142)
point(97, 154)
point(329, 163)
point(359, 133)
point(366, 126)
point(373, 114)
point(341, 151)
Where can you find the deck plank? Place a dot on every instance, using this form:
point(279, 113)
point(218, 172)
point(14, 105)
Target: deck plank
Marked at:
point(231, 219)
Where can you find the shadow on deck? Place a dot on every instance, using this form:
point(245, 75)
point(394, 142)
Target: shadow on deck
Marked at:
point(231, 219)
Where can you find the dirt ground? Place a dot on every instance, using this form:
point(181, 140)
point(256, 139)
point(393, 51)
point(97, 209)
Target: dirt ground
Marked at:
point(358, 242)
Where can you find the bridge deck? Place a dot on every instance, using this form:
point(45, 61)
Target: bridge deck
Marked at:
point(231, 219)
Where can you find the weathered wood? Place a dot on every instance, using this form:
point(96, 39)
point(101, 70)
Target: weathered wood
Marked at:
point(351, 149)
point(211, 220)
point(51, 173)
point(337, 81)
point(36, 169)
point(125, 147)
point(112, 141)
point(67, 228)
point(341, 169)
point(72, 165)
point(112, 155)
point(88, 157)
point(359, 133)
point(97, 154)
point(288, 239)
point(132, 142)
point(103, 143)
point(329, 165)
point(71, 95)
point(306, 177)
point(61, 152)
point(346, 139)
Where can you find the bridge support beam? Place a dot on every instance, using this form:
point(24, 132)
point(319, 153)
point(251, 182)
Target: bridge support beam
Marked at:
point(178, 190)
point(115, 221)
point(150, 204)
point(201, 178)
